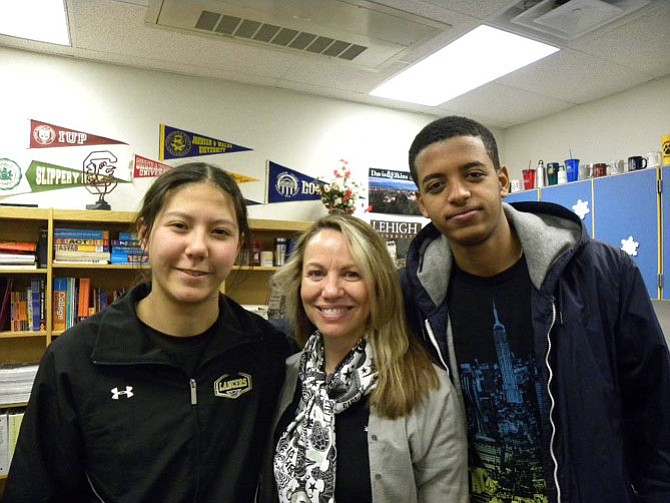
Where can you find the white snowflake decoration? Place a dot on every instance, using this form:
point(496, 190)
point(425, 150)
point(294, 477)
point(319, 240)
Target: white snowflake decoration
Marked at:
point(581, 208)
point(630, 246)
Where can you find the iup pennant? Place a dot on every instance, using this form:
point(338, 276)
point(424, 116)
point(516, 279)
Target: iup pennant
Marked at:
point(44, 135)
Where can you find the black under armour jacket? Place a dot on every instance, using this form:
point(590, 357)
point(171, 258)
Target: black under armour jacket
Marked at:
point(602, 355)
point(111, 419)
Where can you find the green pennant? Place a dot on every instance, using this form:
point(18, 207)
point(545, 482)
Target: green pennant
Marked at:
point(43, 176)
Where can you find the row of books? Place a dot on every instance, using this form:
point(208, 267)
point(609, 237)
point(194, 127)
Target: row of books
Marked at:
point(10, 424)
point(18, 254)
point(16, 382)
point(128, 250)
point(81, 245)
point(23, 309)
point(75, 299)
point(95, 246)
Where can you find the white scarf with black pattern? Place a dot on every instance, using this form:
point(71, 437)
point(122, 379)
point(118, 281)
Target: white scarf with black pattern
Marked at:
point(305, 458)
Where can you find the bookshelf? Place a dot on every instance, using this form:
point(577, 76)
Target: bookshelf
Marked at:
point(246, 285)
point(23, 224)
point(250, 284)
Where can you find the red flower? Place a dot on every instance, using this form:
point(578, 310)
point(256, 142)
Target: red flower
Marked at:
point(342, 189)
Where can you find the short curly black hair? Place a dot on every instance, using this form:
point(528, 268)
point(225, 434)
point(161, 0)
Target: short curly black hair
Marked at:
point(448, 127)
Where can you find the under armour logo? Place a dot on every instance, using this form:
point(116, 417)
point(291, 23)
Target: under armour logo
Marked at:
point(116, 393)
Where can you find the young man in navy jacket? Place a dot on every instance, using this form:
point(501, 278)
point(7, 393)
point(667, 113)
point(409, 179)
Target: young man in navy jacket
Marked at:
point(549, 336)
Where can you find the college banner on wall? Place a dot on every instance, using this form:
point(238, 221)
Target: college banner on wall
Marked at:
point(12, 180)
point(285, 184)
point(398, 236)
point(242, 178)
point(392, 192)
point(147, 168)
point(179, 143)
point(44, 135)
point(43, 176)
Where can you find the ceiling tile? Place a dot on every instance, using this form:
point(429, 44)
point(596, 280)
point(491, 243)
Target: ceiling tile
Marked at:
point(574, 77)
point(503, 106)
point(642, 44)
point(479, 9)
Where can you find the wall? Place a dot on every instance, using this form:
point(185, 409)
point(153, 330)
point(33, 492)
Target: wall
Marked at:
point(305, 133)
point(616, 127)
point(662, 308)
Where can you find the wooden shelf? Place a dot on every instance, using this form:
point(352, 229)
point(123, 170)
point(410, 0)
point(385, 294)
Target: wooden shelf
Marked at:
point(21, 213)
point(84, 265)
point(256, 268)
point(14, 335)
point(14, 270)
point(280, 226)
point(12, 405)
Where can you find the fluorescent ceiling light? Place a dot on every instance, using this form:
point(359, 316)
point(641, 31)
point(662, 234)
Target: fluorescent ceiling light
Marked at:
point(40, 20)
point(478, 57)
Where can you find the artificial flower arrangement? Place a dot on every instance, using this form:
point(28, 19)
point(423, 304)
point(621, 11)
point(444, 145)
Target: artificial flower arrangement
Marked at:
point(342, 192)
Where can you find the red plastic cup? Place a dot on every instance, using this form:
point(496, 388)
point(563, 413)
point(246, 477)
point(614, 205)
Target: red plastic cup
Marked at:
point(528, 179)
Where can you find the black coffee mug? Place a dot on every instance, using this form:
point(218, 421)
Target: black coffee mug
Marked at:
point(636, 162)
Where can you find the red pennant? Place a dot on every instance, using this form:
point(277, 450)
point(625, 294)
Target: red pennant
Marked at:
point(44, 135)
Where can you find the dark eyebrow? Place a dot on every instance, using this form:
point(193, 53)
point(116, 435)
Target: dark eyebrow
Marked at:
point(186, 216)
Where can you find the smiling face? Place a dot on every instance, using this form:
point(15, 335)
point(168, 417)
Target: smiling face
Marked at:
point(192, 246)
point(461, 191)
point(333, 291)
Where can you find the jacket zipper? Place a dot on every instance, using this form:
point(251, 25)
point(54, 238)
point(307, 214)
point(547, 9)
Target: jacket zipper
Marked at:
point(553, 403)
point(194, 401)
point(90, 483)
point(433, 341)
point(194, 391)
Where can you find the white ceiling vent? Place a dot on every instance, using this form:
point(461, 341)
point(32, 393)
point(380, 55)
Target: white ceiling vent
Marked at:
point(567, 20)
point(356, 31)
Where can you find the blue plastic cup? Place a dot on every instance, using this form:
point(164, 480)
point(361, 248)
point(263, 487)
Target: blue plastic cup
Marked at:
point(572, 169)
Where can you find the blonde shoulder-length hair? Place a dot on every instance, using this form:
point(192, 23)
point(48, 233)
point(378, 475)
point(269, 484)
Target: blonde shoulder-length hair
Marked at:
point(406, 373)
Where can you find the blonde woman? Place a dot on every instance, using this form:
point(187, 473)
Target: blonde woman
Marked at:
point(363, 415)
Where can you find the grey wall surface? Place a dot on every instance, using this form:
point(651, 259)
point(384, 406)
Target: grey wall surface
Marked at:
point(662, 308)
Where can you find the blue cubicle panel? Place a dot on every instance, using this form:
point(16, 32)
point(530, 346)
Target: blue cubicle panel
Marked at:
point(524, 195)
point(575, 196)
point(625, 209)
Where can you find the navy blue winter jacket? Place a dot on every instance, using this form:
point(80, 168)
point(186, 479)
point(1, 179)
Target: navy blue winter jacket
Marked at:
point(603, 357)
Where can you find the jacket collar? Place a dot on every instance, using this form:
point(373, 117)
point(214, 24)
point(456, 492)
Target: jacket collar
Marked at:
point(121, 338)
point(546, 231)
